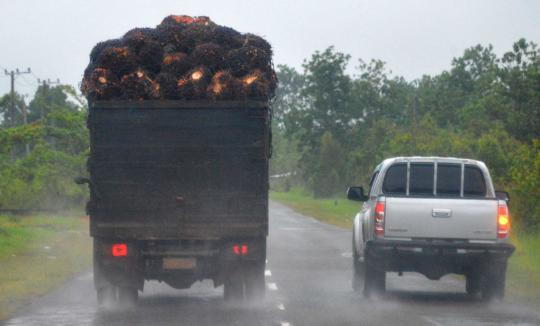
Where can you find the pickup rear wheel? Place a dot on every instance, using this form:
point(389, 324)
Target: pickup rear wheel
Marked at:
point(358, 270)
point(374, 280)
point(473, 283)
point(493, 281)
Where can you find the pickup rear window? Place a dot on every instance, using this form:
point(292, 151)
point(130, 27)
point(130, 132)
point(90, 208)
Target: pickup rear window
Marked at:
point(449, 179)
point(474, 184)
point(422, 180)
point(395, 182)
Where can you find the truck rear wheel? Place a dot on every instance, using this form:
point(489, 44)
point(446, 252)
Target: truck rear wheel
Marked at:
point(233, 287)
point(128, 296)
point(106, 296)
point(255, 285)
point(106, 292)
point(374, 280)
point(245, 282)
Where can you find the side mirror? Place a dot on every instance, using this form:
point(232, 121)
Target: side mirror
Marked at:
point(503, 195)
point(356, 194)
point(81, 180)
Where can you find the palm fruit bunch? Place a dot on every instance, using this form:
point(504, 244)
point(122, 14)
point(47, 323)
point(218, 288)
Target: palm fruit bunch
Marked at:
point(183, 58)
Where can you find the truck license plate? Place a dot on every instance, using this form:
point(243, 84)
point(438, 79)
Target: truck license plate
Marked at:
point(179, 263)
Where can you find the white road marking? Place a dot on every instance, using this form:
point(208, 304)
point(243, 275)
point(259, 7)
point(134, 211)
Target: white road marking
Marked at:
point(267, 273)
point(292, 229)
point(347, 254)
point(429, 320)
point(281, 306)
point(285, 323)
point(272, 286)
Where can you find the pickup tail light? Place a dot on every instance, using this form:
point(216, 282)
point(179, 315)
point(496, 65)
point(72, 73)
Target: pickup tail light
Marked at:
point(379, 218)
point(503, 221)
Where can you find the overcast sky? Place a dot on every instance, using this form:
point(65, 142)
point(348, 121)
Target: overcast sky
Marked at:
point(54, 37)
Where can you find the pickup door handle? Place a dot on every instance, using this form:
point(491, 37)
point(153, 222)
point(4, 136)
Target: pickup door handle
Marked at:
point(441, 212)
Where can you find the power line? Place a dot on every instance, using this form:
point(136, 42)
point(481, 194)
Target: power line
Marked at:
point(36, 77)
point(24, 82)
point(29, 82)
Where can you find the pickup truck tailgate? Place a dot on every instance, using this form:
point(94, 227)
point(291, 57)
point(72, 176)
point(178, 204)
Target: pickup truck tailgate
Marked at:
point(473, 219)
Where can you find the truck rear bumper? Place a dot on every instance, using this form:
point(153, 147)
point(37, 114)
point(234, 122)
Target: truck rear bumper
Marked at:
point(177, 262)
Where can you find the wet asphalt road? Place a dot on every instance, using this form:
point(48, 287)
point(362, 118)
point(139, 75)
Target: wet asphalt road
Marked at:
point(308, 278)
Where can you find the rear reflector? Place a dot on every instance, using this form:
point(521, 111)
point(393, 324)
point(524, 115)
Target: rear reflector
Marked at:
point(119, 250)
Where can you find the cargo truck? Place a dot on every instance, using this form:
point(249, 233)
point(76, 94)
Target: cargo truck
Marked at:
point(179, 194)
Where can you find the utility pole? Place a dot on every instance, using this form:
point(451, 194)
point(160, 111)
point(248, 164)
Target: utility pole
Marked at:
point(12, 74)
point(24, 112)
point(415, 108)
point(46, 84)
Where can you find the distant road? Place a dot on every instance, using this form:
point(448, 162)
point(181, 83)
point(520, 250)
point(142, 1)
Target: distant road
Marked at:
point(308, 279)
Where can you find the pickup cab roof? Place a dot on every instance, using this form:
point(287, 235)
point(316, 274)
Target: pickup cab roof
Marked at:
point(387, 163)
point(439, 159)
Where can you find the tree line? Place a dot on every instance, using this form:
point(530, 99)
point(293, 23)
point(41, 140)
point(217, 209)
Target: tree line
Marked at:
point(40, 158)
point(331, 127)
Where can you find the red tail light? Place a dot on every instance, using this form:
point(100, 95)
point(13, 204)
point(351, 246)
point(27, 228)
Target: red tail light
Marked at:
point(119, 250)
point(240, 250)
point(503, 221)
point(379, 218)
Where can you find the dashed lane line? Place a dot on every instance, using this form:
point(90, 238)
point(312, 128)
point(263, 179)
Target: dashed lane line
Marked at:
point(272, 286)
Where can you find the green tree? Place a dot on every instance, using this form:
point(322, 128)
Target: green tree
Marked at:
point(327, 178)
point(58, 146)
point(51, 99)
point(5, 110)
point(520, 77)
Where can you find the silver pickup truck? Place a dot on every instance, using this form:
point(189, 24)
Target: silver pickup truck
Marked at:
point(435, 216)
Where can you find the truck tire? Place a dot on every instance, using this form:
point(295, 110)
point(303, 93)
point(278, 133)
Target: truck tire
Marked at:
point(233, 287)
point(493, 281)
point(254, 283)
point(106, 296)
point(473, 283)
point(106, 292)
point(374, 280)
point(358, 270)
point(127, 296)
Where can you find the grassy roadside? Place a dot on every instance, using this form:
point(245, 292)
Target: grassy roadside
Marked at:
point(38, 253)
point(523, 281)
point(337, 211)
